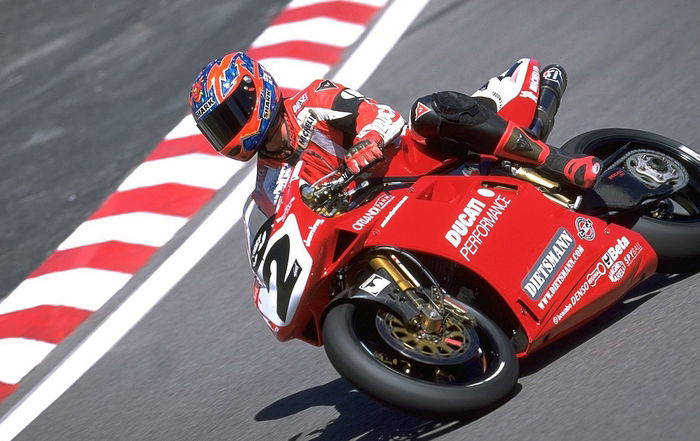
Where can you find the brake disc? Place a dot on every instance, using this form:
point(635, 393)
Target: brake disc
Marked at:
point(456, 343)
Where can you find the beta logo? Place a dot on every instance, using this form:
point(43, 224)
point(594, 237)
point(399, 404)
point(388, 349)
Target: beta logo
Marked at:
point(614, 252)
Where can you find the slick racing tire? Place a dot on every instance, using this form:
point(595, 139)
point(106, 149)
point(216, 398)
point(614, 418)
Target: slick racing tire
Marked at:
point(360, 354)
point(675, 236)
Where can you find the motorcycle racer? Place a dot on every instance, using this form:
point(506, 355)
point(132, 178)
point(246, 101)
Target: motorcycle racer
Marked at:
point(239, 108)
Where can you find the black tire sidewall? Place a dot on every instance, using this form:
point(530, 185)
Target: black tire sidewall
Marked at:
point(672, 241)
point(352, 361)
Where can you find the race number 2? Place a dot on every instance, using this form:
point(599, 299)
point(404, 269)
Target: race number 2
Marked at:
point(279, 255)
point(283, 266)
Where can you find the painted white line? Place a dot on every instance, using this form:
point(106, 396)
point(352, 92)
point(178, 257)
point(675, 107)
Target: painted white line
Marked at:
point(82, 288)
point(294, 73)
point(140, 228)
point(194, 169)
point(139, 303)
point(301, 3)
point(318, 30)
point(25, 355)
point(128, 313)
point(383, 36)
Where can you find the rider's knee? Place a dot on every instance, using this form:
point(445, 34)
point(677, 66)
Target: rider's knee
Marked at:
point(457, 118)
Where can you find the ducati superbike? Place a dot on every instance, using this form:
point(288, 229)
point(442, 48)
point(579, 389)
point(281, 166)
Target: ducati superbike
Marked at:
point(428, 282)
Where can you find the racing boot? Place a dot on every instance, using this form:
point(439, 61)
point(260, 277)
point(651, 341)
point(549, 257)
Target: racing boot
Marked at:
point(517, 145)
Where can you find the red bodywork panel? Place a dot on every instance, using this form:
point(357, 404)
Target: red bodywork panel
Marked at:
point(553, 267)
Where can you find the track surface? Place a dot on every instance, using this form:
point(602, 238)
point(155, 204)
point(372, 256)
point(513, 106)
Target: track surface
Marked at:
point(202, 364)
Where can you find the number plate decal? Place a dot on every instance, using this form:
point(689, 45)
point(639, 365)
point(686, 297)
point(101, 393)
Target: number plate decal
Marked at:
point(284, 270)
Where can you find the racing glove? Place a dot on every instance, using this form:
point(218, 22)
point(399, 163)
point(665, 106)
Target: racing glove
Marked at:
point(362, 155)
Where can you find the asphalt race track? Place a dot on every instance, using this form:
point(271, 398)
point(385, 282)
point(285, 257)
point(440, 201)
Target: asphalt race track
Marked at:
point(88, 89)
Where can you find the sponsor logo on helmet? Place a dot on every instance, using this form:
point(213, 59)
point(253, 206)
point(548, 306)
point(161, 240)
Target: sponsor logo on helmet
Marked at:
point(267, 104)
point(197, 91)
point(208, 104)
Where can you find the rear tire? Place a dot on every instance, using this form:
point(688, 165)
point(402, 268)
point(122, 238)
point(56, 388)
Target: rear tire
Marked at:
point(355, 357)
point(676, 240)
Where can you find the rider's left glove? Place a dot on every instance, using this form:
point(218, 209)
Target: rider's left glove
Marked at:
point(362, 155)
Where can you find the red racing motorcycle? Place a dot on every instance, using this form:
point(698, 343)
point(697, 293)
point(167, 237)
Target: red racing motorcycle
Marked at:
point(427, 282)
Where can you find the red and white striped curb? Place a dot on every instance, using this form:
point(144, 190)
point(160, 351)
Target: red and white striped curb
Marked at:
point(176, 180)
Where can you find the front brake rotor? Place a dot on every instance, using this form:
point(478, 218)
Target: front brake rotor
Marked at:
point(456, 343)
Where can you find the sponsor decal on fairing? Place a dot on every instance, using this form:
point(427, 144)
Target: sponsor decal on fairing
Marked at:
point(460, 227)
point(483, 228)
point(633, 253)
point(283, 271)
point(598, 272)
point(585, 229)
point(375, 284)
point(615, 251)
point(548, 264)
point(617, 271)
point(370, 214)
point(561, 277)
point(475, 222)
point(312, 231)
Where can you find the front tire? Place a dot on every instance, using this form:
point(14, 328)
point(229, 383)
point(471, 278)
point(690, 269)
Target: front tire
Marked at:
point(358, 353)
point(675, 237)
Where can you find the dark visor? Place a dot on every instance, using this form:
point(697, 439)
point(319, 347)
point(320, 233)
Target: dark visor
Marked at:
point(223, 123)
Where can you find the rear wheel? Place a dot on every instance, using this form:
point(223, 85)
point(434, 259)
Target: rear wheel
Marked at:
point(672, 227)
point(470, 364)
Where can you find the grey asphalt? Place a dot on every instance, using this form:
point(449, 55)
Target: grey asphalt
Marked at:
point(202, 365)
point(87, 89)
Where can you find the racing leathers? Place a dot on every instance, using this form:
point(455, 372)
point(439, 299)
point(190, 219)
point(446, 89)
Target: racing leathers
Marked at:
point(341, 126)
point(352, 129)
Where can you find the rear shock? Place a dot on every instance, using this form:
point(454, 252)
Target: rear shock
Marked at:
point(552, 86)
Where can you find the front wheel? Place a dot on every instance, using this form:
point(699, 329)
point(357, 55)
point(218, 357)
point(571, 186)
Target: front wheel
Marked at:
point(672, 227)
point(465, 368)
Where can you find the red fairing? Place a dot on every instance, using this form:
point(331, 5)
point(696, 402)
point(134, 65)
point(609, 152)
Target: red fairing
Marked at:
point(554, 268)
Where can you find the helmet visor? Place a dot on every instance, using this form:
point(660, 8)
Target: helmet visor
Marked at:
point(223, 123)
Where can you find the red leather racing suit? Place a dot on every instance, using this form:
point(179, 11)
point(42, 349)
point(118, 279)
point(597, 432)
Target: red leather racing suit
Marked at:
point(345, 117)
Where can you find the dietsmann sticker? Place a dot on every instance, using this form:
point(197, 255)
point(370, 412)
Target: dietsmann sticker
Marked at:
point(548, 264)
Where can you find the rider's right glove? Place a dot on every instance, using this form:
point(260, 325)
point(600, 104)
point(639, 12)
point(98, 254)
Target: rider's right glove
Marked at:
point(362, 155)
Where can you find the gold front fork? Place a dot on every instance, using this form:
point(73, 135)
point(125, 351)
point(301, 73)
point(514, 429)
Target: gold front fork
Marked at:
point(429, 319)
